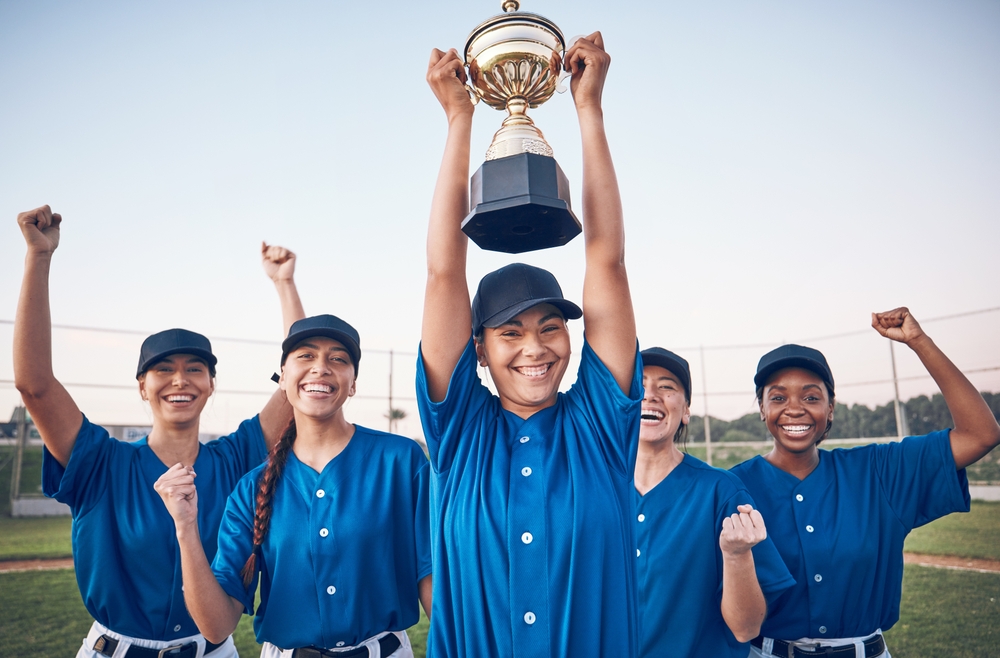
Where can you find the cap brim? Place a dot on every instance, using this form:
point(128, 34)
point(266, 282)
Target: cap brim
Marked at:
point(569, 310)
point(673, 365)
point(342, 337)
point(760, 379)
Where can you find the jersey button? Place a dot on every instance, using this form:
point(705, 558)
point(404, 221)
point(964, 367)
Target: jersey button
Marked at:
point(320, 493)
point(340, 644)
point(529, 618)
point(177, 628)
point(818, 578)
point(526, 471)
point(822, 629)
point(527, 538)
point(525, 439)
point(809, 528)
point(799, 497)
point(331, 590)
point(637, 552)
point(323, 532)
point(642, 517)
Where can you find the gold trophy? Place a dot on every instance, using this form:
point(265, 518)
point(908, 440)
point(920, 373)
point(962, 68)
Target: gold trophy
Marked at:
point(520, 196)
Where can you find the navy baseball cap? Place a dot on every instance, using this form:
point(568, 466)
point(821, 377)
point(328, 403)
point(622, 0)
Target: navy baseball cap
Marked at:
point(793, 356)
point(657, 356)
point(174, 341)
point(506, 293)
point(329, 326)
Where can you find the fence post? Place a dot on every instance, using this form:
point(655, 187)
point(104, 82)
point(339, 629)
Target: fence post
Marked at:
point(21, 429)
point(708, 424)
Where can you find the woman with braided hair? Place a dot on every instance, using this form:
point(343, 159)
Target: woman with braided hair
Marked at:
point(335, 524)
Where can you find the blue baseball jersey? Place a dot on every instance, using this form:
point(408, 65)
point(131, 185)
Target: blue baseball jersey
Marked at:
point(840, 530)
point(125, 550)
point(532, 536)
point(678, 523)
point(345, 549)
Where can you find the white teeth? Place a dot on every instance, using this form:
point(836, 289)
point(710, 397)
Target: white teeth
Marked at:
point(796, 428)
point(179, 398)
point(317, 388)
point(533, 371)
point(652, 414)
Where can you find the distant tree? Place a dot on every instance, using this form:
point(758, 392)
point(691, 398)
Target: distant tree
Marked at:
point(394, 416)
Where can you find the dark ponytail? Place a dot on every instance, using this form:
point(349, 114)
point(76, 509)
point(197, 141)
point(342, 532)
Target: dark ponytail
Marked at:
point(265, 491)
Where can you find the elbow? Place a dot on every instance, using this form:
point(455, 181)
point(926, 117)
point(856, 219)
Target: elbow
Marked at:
point(746, 633)
point(31, 391)
point(215, 635)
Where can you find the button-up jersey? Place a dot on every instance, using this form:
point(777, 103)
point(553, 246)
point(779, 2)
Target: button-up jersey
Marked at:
point(678, 523)
point(125, 551)
point(532, 533)
point(345, 550)
point(840, 530)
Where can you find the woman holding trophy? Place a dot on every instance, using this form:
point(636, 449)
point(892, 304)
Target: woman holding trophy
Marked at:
point(531, 530)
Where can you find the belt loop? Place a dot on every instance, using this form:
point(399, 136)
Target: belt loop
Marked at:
point(859, 649)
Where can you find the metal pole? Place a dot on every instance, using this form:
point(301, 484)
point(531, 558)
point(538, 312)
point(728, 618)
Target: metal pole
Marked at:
point(21, 428)
point(704, 395)
point(895, 387)
point(390, 392)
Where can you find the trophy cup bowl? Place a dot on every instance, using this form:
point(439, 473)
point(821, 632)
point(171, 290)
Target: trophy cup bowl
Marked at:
point(520, 197)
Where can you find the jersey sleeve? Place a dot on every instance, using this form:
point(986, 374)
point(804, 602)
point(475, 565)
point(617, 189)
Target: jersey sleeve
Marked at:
point(421, 518)
point(83, 481)
point(919, 478)
point(243, 450)
point(772, 574)
point(444, 423)
point(236, 543)
point(615, 415)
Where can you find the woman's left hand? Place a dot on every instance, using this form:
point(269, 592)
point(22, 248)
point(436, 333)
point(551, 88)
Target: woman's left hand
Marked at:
point(897, 325)
point(588, 63)
point(742, 531)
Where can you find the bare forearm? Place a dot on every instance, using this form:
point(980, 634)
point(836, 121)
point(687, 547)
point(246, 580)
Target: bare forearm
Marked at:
point(426, 586)
point(604, 230)
point(215, 612)
point(976, 431)
point(743, 604)
point(291, 305)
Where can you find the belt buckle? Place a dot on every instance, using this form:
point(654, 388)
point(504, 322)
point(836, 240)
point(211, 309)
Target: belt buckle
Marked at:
point(167, 651)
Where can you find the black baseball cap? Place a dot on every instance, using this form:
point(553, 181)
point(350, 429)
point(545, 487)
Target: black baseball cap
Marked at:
point(174, 341)
point(329, 326)
point(657, 356)
point(793, 356)
point(506, 293)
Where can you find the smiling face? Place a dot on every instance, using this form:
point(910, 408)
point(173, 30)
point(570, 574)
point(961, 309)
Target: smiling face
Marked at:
point(796, 407)
point(527, 358)
point(664, 406)
point(318, 377)
point(177, 389)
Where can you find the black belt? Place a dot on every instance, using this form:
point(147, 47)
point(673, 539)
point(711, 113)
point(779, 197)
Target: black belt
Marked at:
point(388, 644)
point(106, 646)
point(874, 646)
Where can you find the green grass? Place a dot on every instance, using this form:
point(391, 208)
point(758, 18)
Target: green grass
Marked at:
point(947, 613)
point(31, 538)
point(944, 613)
point(31, 474)
point(976, 534)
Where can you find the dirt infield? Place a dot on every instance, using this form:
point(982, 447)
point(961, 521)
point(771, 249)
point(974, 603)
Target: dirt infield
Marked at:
point(940, 561)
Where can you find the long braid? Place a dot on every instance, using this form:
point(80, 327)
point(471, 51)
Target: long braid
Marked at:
point(265, 491)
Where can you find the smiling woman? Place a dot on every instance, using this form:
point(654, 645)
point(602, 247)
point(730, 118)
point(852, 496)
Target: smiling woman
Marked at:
point(839, 517)
point(334, 526)
point(125, 560)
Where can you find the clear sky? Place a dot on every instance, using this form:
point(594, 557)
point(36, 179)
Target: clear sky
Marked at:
point(786, 168)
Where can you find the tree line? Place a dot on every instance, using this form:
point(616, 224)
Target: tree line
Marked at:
point(923, 415)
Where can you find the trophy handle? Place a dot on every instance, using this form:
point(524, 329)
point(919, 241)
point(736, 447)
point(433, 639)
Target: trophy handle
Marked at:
point(560, 87)
point(474, 94)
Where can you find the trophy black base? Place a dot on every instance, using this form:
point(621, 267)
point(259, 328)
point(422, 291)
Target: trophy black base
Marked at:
point(520, 203)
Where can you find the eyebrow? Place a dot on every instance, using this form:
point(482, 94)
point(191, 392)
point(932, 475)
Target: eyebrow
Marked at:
point(779, 387)
point(313, 346)
point(518, 323)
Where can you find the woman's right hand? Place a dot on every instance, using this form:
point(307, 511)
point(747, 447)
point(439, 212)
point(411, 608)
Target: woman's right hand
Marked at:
point(278, 262)
point(40, 228)
point(176, 488)
point(446, 77)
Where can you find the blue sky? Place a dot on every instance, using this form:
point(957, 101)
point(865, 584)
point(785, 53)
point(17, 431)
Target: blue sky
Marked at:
point(786, 168)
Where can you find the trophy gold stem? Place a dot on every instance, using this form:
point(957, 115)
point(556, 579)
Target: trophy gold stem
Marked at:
point(518, 133)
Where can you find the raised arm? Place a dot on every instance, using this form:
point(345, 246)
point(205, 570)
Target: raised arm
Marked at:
point(608, 318)
point(743, 605)
point(976, 431)
point(279, 265)
point(53, 411)
point(214, 612)
point(447, 321)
